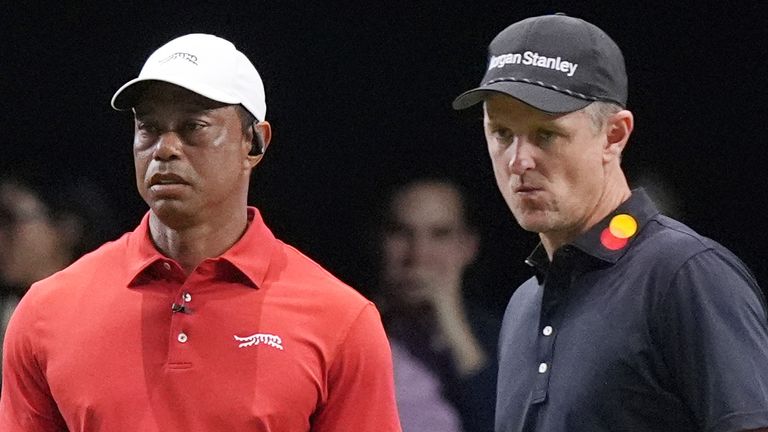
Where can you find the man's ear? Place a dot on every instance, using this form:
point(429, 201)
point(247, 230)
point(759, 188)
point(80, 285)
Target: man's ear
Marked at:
point(260, 135)
point(618, 129)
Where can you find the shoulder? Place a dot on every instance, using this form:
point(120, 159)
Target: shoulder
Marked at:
point(523, 307)
point(693, 268)
point(304, 272)
point(79, 275)
point(527, 293)
point(670, 239)
point(667, 245)
point(309, 285)
point(525, 299)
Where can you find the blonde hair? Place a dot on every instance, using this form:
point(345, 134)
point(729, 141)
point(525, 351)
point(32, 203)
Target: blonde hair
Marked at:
point(599, 112)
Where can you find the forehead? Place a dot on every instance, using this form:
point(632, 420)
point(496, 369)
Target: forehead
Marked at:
point(506, 109)
point(17, 200)
point(427, 203)
point(161, 95)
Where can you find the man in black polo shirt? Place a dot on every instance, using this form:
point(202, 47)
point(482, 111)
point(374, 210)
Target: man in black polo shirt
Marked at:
point(633, 322)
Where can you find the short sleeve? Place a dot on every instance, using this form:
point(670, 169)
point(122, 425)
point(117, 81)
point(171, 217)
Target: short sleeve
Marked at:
point(361, 395)
point(26, 403)
point(716, 342)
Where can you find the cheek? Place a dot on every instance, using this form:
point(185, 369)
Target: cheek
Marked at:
point(394, 251)
point(222, 162)
point(498, 162)
point(579, 185)
point(446, 256)
point(218, 142)
point(585, 172)
point(141, 158)
point(217, 175)
point(503, 176)
point(34, 239)
point(140, 164)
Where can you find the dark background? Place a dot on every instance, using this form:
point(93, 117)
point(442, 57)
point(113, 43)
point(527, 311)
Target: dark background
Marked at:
point(359, 95)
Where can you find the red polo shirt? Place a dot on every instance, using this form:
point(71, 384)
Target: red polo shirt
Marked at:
point(260, 339)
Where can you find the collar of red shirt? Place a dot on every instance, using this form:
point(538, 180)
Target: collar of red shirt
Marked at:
point(249, 257)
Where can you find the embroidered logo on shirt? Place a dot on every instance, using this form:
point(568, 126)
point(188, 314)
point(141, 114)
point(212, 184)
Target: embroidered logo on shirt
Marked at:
point(621, 228)
point(260, 338)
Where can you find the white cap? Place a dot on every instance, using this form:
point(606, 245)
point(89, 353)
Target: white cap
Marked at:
point(205, 64)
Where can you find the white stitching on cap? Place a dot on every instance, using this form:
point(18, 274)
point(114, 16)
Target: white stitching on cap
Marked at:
point(541, 84)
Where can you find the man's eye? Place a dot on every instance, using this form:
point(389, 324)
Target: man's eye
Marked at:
point(545, 137)
point(147, 128)
point(504, 136)
point(193, 126)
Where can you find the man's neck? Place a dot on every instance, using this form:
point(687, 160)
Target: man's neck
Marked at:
point(611, 199)
point(189, 246)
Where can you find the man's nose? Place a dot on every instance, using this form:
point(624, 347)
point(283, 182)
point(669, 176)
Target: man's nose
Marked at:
point(168, 146)
point(420, 249)
point(521, 157)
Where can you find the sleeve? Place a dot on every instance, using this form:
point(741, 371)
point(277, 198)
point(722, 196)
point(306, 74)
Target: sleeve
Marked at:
point(716, 342)
point(475, 395)
point(26, 403)
point(361, 393)
point(420, 400)
point(477, 401)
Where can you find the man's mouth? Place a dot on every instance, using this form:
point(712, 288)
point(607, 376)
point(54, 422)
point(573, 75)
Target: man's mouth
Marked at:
point(166, 179)
point(526, 189)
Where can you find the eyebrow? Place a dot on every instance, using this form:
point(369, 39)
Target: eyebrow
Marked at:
point(548, 122)
point(185, 109)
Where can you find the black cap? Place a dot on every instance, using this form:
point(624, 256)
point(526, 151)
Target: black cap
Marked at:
point(555, 63)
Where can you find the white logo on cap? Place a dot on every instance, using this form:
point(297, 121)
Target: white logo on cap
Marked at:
point(530, 58)
point(186, 56)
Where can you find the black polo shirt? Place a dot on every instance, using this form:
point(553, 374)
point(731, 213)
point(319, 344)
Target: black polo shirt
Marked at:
point(665, 333)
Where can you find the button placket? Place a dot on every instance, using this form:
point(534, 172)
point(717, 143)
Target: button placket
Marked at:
point(180, 342)
point(553, 301)
point(546, 342)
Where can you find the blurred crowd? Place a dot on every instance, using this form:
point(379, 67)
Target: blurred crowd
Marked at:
point(45, 226)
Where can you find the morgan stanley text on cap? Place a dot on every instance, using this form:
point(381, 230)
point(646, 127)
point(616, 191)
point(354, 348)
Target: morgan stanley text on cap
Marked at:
point(205, 64)
point(555, 63)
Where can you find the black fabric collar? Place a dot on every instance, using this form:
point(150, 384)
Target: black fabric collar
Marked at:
point(639, 206)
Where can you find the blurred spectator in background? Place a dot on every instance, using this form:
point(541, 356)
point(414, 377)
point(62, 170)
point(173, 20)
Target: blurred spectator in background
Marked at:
point(419, 392)
point(43, 228)
point(427, 243)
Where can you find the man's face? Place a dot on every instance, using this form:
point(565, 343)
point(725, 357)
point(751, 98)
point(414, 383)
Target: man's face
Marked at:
point(28, 237)
point(189, 155)
point(549, 169)
point(426, 243)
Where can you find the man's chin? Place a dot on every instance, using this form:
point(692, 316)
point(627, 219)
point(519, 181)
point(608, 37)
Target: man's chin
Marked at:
point(536, 222)
point(173, 213)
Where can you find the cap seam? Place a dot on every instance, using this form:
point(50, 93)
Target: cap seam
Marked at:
point(545, 85)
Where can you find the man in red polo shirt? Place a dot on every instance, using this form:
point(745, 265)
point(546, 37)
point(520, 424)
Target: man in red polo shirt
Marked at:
point(200, 319)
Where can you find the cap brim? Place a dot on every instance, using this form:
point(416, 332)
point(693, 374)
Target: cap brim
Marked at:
point(541, 98)
point(126, 96)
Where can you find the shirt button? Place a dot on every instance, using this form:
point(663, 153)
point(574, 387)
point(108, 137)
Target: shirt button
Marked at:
point(546, 331)
point(182, 337)
point(187, 297)
point(166, 266)
point(542, 368)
